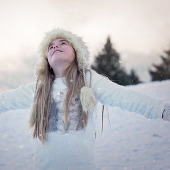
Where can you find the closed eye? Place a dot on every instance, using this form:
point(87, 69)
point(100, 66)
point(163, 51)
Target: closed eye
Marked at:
point(63, 43)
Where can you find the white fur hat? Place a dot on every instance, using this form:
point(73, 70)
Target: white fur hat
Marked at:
point(86, 94)
point(77, 43)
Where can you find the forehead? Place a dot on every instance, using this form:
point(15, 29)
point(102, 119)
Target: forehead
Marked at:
point(58, 40)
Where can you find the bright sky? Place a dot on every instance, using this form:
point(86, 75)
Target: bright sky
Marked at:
point(139, 30)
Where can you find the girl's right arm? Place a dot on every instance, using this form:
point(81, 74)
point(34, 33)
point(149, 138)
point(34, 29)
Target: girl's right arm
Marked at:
point(19, 98)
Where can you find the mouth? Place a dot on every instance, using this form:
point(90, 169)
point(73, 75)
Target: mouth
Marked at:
point(56, 50)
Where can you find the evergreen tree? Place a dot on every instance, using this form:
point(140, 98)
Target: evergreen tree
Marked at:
point(134, 78)
point(161, 71)
point(108, 63)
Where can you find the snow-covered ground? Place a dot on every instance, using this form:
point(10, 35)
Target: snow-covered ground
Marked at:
point(132, 143)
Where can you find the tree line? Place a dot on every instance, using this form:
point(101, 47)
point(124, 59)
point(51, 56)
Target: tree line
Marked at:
point(108, 63)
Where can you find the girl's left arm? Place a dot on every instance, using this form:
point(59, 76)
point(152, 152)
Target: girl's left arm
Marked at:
point(19, 98)
point(112, 94)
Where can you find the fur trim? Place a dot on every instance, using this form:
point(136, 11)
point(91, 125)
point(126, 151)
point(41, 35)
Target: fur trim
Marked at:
point(87, 99)
point(78, 44)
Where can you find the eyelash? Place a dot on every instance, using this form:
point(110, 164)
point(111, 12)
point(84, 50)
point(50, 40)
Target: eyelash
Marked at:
point(51, 46)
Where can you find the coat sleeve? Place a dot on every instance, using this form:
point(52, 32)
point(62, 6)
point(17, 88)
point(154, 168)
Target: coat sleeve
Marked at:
point(19, 98)
point(112, 94)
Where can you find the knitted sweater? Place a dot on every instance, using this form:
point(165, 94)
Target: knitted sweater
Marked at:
point(72, 147)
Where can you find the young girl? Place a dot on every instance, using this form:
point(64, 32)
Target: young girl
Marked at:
point(63, 101)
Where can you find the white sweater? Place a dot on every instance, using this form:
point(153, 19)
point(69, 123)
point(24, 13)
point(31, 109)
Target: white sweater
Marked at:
point(73, 148)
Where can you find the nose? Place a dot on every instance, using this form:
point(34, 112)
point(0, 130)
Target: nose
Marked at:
point(56, 46)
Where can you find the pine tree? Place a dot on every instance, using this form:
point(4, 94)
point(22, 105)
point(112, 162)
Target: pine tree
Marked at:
point(161, 71)
point(108, 63)
point(134, 78)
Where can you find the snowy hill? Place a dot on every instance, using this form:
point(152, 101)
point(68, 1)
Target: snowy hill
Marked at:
point(133, 142)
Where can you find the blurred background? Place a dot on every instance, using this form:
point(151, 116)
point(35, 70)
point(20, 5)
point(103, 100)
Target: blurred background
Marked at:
point(128, 40)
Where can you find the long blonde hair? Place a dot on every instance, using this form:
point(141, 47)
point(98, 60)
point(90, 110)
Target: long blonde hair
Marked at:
point(40, 112)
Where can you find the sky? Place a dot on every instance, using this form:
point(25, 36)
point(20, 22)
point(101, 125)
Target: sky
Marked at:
point(139, 31)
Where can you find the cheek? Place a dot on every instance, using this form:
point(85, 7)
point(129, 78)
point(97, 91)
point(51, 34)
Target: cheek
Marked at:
point(49, 58)
point(73, 54)
point(49, 54)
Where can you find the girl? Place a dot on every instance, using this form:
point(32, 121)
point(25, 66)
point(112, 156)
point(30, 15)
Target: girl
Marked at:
point(63, 103)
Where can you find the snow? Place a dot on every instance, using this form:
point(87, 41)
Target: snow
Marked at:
point(133, 142)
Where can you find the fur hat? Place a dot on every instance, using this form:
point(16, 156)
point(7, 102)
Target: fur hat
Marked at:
point(87, 97)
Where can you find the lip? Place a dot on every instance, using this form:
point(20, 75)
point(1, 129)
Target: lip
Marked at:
point(56, 50)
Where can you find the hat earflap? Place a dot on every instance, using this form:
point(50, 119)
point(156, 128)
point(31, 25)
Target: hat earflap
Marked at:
point(87, 96)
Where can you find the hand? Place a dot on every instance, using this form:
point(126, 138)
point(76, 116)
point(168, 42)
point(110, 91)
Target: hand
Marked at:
point(166, 112)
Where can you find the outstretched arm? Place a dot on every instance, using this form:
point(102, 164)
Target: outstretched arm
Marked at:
point(19, 98)
point(112, 94)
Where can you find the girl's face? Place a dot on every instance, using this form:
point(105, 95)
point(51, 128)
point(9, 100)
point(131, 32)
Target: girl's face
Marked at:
point(60, 52)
